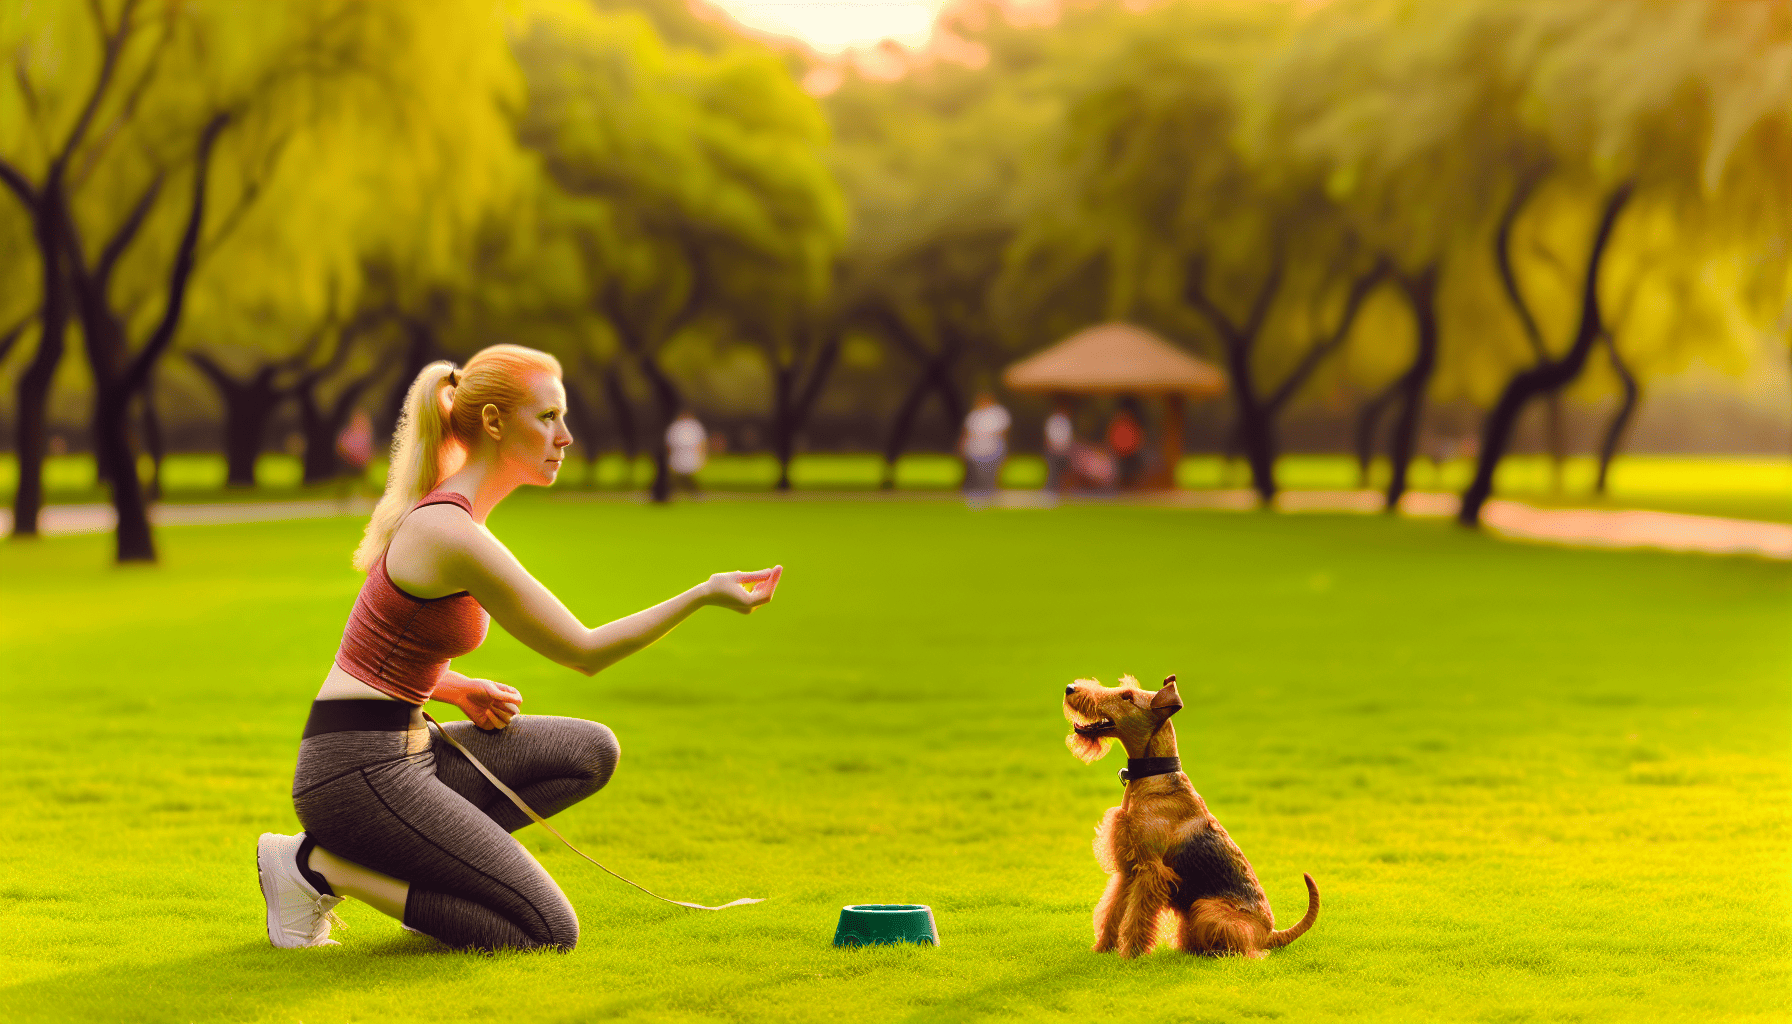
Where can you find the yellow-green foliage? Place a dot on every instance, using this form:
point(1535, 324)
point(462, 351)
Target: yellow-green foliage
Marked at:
point(355, 130)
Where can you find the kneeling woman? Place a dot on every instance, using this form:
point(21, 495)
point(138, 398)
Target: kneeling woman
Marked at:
point(394, 815)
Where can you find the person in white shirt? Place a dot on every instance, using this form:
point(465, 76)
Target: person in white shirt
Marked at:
point(984, 444)
point(687, 449)
point(1059, 435)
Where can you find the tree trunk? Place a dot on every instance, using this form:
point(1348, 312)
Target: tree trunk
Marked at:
point(119, 376)
point(152, 438)
point(1254, 422)
point(903, 424)
point(249, 403)
point(936, 378)
point(581, 415)
point(1614, 431)
point(792, 405)
point(119, 463)
point(668, 399)
point(320, 461)
point(624, 413)
point(34, 383)
point(1421, 291)
point(322, 427)
point(1254, 428)
point(783, 421)
point(419, 351)
point(1545, 377)
point(1368, 423)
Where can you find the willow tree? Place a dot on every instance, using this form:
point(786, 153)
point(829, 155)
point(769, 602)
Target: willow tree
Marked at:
point(1415, 137)
point(151, 133)
point(692, 182)
point(935, 166)
point(1202, 220)
point(1674, 115)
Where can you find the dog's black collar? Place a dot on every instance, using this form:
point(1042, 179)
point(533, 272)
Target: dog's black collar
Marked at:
point(1144, 767)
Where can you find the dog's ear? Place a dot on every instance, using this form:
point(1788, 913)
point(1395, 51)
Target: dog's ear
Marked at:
point(1167, 699)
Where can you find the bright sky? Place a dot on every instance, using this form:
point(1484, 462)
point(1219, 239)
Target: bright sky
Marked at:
point(835, 26)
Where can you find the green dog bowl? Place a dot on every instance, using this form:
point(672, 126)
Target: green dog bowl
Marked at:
point(872, 924)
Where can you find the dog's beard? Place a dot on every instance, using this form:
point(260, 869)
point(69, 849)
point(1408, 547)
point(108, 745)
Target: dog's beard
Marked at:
point(1089, 749)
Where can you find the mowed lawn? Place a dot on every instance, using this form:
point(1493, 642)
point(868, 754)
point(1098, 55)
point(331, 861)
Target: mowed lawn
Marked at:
point(1532, 783)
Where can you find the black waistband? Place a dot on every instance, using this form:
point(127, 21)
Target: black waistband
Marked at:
point(362, 716)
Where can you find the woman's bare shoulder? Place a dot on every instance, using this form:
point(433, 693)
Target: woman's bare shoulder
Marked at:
point(429, 543)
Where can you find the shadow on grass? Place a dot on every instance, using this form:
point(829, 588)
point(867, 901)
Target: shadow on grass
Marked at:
point(1102, 985)
point(240, 981)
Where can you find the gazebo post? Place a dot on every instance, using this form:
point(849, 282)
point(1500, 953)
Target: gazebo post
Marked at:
point(1171, 441)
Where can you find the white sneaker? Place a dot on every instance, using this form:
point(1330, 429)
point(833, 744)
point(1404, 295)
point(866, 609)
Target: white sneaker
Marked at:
point(298, 915)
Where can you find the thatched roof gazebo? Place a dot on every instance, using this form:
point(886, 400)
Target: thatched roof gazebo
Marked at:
point(1122, 359)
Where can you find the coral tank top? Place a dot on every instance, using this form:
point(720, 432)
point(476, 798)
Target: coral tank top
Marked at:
point(401, 645)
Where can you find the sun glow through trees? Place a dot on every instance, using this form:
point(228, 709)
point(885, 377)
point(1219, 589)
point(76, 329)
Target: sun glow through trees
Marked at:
point(840, 25)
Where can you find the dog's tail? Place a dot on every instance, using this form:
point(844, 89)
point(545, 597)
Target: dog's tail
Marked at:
point(1278, 939)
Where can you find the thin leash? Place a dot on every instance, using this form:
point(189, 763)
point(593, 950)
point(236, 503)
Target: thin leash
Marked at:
point(539, 820)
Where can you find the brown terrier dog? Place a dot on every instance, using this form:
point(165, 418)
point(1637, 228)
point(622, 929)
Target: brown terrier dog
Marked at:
point(1169, 862)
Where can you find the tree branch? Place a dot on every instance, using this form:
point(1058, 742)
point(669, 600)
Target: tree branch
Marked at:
point(112, 42)
point(818, 375)
point(126, 233)
point(1265, 297)
point(897, 330)
point(1194, 289)
point(1502, 253)
point(19, 184)
point(1360, 290)
point(210, 368)
point(163, 336)
point(126, 111)
point(244, 200)
point(12, 334)
point(32, 104)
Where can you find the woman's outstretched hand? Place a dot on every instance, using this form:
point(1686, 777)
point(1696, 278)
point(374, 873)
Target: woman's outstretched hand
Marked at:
point(744, 591)
point(487, 704)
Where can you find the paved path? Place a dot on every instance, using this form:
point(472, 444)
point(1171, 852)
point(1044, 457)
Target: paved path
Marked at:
point(1577, 527)
point(57, 520)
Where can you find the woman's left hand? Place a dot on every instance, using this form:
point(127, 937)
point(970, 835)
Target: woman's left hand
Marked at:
point(488, 704)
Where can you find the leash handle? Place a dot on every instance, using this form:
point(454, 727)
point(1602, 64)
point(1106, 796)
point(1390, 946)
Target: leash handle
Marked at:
point(539, 820)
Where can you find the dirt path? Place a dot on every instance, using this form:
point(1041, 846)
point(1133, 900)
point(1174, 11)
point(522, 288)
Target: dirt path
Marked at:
point(1575, 527)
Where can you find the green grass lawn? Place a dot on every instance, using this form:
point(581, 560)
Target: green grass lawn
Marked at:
point(1534, 784)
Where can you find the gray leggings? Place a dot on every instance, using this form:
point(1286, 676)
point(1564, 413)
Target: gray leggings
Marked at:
point(376, 787)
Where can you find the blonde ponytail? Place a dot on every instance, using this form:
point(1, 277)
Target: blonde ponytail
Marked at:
point(416, 464)
point(436, 431)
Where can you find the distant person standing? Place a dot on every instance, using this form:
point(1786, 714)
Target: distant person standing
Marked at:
point(984, 444)
point(354, 446)
point(687, 449)
point(1126, 439)
point(1059, 434)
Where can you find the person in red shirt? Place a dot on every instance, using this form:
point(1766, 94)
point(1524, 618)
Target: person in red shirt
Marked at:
point(1126, 439)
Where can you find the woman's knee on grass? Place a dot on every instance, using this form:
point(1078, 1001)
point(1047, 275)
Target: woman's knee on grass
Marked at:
point(595, 753)
point(561, 931)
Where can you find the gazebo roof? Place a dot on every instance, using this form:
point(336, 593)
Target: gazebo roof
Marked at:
point(1114, 358)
